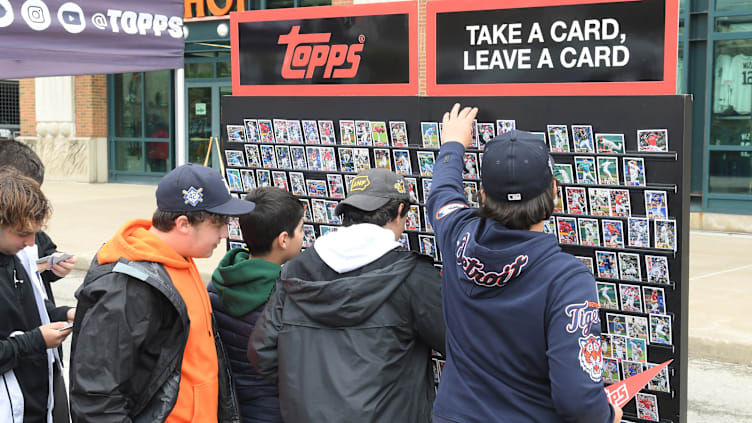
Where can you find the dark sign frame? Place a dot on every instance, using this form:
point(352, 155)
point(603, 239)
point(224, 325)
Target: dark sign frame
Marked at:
point(317, 87)
point(565, 86)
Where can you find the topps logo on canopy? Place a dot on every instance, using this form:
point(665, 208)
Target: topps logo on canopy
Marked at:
point(307, 52)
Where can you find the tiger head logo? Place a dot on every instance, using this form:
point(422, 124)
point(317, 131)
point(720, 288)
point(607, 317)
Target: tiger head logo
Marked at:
point(591, 357)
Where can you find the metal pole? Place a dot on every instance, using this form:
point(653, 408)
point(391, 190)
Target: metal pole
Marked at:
point(180, 121)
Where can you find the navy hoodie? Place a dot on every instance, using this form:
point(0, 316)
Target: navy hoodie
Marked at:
point(523, 331)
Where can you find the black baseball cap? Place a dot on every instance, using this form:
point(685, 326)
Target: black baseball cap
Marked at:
point(516, 167)
point(192, 187)
point(373, 188)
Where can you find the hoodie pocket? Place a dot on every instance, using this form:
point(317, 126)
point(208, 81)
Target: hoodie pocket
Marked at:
point(205, 402)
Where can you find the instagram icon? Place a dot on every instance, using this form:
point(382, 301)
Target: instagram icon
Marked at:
point(36, 14)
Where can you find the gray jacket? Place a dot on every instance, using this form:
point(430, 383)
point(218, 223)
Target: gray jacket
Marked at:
point(354, 346)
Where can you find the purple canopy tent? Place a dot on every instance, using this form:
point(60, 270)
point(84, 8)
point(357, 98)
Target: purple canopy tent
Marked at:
point(58, 37)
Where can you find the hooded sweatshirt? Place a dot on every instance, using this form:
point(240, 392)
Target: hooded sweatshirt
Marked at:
point(349, 328)
point(239, 290)
point(198, 393)
point(523, 329)
point(243, 284)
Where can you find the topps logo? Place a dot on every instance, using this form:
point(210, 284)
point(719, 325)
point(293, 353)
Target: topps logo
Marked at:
point(307, 52)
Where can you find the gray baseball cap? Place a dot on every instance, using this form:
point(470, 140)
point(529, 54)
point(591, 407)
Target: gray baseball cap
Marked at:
point(373, 188)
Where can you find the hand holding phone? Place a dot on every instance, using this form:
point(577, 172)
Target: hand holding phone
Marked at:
point(66, 327)
point(54, 259)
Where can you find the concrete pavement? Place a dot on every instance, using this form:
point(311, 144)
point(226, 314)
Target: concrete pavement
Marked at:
point(87, 215)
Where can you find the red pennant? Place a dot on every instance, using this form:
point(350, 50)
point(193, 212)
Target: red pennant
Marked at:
point(620, 393)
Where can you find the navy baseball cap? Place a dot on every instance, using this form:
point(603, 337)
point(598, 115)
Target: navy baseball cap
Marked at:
point(373, 188)
point(516, 167)
point(192, 187)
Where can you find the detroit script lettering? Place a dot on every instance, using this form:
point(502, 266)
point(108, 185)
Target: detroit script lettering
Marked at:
point(473, 268)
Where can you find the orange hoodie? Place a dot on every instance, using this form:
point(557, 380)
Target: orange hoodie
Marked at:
point(199, 389)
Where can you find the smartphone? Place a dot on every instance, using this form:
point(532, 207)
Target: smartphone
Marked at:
point(66, 327)
point(54, 259)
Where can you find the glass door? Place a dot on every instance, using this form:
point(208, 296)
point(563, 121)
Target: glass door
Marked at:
point(203, 114)
point(199, 122)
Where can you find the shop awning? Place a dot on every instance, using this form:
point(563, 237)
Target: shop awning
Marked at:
point(61, 37)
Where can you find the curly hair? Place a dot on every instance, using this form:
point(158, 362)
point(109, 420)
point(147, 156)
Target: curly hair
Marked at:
point(23, 206)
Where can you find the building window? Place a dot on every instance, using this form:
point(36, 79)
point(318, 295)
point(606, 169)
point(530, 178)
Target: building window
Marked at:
point(732, 93)
point(730, 172)
point(128, 105)
point(142, 131)
point(730, 155)
point(731, 5)
point(9, 112)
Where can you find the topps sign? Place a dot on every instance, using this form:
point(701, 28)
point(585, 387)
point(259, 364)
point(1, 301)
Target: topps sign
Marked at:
point(326, 53)
point(307, 54)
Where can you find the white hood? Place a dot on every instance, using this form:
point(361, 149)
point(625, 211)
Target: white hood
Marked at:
point(355, 246)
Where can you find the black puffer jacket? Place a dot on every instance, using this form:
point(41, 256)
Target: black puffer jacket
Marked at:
point(352, 346)
point(258, 399)
point(144, 388)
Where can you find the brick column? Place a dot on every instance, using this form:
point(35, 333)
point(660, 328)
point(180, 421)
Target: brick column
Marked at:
point(91, 106)
point(27, 107)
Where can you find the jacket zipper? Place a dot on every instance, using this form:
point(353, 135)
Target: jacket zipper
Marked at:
point(16, 283)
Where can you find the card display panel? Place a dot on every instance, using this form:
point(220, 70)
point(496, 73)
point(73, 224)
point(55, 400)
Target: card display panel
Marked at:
point(663, 172)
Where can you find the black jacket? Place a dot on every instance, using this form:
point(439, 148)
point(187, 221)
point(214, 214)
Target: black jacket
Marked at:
point(353, 346)
point(145, 333)
point(258, 399)
point(24, 353)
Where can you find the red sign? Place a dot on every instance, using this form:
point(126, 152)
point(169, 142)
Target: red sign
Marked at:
point(369, 49)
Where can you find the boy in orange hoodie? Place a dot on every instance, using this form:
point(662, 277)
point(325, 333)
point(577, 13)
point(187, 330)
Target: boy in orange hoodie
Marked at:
point(145, 346)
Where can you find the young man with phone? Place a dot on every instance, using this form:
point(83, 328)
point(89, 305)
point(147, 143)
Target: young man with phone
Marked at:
point(18, 156)
point(28, 340)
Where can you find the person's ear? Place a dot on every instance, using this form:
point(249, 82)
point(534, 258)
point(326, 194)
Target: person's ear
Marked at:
point(182, 224)
point(400, 210)
point(482, 196)
point(283, 240)
point(556, 191)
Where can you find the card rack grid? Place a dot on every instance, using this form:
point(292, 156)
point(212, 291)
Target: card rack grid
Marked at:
point(666, 171)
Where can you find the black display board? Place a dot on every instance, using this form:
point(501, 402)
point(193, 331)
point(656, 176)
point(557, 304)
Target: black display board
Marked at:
point(663, 171)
